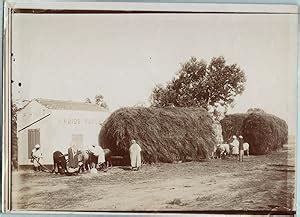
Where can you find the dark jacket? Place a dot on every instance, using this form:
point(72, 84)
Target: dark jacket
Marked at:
point(241, 141)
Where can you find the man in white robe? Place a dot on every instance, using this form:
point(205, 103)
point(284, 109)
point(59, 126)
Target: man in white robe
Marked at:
point(135, 155)
point(98, 152)
point(235, 146)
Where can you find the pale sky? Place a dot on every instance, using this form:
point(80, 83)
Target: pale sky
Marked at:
point(122, 57)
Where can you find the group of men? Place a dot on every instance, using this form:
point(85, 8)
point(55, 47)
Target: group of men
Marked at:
point(236, 148)
point(97, 155)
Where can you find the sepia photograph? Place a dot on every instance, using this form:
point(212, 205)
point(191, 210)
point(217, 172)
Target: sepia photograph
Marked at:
point(153, 108)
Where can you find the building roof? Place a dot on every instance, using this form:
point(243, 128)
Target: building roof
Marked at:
point(21, 103)
point(69, 105)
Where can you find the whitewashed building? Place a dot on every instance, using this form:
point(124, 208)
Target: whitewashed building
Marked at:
point(56, 125)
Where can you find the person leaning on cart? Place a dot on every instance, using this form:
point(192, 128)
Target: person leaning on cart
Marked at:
point(36, 156)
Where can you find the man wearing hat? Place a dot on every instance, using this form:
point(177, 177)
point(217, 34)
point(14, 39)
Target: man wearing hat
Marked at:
point(135, 155)
point(241, 148)
point(36, 156)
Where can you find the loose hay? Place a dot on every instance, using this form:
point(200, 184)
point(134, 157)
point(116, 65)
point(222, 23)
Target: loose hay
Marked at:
point(232, 125)
point(264, 132)
point(165, 134)
point(217, 128)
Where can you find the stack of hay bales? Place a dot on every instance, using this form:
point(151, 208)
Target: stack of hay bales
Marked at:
point(164, 134)
point(264, 132)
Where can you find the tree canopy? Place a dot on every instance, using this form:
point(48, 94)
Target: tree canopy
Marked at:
point(255, 110)
point(14, 139)
point(98, 100)
point(200, 84)
point(88, 100)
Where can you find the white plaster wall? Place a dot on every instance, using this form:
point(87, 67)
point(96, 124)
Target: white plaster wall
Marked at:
point(56, 130)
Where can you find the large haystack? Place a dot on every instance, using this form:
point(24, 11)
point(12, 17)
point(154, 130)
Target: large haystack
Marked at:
point(232, 125)
point(165, 134)
point(265, 133)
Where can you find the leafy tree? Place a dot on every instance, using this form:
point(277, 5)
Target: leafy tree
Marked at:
point(200, 84)
point(99, 100)
point(88, 100)
point(14, 139)
point(217, 112)
point(104, 105)
point(255, 110)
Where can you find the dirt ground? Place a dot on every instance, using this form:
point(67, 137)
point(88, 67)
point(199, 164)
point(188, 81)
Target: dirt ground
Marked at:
point(259, 183)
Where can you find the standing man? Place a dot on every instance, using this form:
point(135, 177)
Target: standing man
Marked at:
point(235, 146)
point(72, 157)
point(135, 155)
point(36, 156)
point(241, 148)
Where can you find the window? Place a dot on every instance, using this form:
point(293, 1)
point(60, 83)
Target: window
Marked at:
point(33, 139)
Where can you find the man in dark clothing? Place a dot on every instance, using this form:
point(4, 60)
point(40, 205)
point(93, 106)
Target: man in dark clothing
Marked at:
point(241, 149)
point(73, 157)
point(59, 163)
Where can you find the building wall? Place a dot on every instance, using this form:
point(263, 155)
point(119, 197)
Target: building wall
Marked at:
point(33, 112)
point(57, 130)
point(85, 123)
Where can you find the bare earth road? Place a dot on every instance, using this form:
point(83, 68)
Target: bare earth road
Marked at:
point(259, 183)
